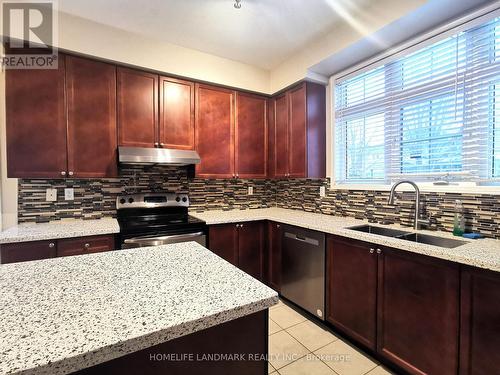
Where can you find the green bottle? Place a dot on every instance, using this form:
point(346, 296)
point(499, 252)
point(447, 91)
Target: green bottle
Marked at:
point(458, 222)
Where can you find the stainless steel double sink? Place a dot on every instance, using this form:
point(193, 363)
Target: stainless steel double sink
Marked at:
point(409, 236)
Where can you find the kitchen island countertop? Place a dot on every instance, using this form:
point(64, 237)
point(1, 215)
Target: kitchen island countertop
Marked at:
point(65, 314)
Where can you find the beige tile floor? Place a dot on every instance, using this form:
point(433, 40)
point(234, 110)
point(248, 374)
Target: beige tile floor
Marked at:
point(299, 346)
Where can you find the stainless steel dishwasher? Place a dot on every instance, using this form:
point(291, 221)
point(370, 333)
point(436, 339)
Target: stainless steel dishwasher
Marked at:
point(303, 269)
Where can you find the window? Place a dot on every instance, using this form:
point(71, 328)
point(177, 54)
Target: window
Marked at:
point(432, 114)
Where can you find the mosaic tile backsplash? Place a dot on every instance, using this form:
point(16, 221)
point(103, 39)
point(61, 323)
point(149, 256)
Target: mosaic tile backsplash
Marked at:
point(96, 198)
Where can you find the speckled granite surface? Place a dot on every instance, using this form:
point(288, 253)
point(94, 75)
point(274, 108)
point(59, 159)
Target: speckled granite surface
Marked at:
point(59, 229)
point(64, 314)
point(484, 253)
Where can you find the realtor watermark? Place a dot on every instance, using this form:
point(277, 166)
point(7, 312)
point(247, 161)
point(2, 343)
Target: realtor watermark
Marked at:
point(224, 357)
point(29, 34)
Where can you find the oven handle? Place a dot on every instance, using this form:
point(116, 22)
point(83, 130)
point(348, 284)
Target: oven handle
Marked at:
point(163, 238)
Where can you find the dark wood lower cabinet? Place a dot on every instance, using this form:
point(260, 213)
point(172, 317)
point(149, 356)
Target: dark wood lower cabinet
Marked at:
point(352, 288)
point(26, 251)
point(418, 312)
point(480, 322)
point(36, 250)
point(223, 241)
point(274, 233)
point(84, 245)
point(250, 246)
point(246, 337)
point(240, 244)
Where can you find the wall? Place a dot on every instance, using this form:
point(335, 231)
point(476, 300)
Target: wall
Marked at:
point(357, 26)
point(94, 39)
point(8, 186)
point(480, 210)
point(97, 198)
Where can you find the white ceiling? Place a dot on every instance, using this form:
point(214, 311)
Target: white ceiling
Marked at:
point(263, 33)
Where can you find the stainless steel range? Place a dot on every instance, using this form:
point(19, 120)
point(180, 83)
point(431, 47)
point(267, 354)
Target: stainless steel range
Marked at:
point(157, 219)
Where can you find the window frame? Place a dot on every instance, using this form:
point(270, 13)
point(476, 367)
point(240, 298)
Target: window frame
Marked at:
point(390, 57)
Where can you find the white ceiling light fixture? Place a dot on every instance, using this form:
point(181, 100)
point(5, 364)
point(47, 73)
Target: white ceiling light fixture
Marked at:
point(237, 4)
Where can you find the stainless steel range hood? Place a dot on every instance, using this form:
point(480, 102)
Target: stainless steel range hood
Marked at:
point(148, 156)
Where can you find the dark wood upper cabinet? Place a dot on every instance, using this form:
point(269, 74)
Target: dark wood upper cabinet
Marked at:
point(480, 322)
point(92, 137)
point(299, 132)
point(280, 137)
point(26, 251)
point(275, 234)
point(223, 241)
point(352, 288)
point(250, 248)
point(36, 122)
point(418, 312)
point(176, 114)
point(137, 104)
point(214, 131)
point(251, 136)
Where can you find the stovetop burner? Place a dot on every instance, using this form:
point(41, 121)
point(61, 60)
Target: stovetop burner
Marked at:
point(155, 214)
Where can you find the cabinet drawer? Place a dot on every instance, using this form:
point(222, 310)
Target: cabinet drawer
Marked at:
point(84, 245)
point(25, 251)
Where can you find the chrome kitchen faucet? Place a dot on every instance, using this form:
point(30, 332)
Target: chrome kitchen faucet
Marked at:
point(418, 222)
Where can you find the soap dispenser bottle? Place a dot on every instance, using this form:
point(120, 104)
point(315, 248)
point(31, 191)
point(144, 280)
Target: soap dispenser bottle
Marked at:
point(458, 222)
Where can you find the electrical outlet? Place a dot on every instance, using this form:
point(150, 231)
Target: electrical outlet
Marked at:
point(51, 195)
point(322, 191)
point(250, 190)
point(69, 194)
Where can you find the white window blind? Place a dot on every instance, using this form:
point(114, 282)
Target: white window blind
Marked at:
point(432, 114)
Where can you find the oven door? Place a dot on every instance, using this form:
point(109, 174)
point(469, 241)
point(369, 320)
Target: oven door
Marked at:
point(145, 241)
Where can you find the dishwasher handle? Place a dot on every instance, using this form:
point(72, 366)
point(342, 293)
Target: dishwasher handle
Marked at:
point(300, 238)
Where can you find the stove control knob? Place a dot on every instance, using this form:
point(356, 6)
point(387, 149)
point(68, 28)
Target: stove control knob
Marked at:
point(178, 199)
point(184, 199)
point(122, 201)
point(131, 200)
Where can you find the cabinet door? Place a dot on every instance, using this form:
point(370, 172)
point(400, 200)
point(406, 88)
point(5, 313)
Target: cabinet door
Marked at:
point(223, 241)
point(91, 90)
point(297, 136)
point(214, 131)
point(418, 312)
point(137, 108)
point(84, 245)
point(26, 251)
point(275, 234)
point(280, 157)
point(251, 136)
point(250, 248)
point(480, 322)
point(352, 288)
point(176, 114)
point(36, 122)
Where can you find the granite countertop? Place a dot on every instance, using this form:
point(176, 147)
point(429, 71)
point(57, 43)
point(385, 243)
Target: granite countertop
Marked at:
point(64, 314)
point(484, 253)
point(66, 228)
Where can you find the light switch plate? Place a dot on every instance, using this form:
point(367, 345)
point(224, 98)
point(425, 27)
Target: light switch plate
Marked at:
point(322, 191)
point(250, 190)
point(69, 194)
point(51, 195)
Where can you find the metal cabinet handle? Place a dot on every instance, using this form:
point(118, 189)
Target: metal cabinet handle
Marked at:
point(87, 245)
point(241, 225)
point(379, 251)
point(63, 173)
point(52, 244)
point(278, 226)
point(70, 173)
point(237, 225)
point(372, 250)
point(156, 144)
point(161, 144)
point(237, 175)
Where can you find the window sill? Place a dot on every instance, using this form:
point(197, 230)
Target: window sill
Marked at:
point(424, 187)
